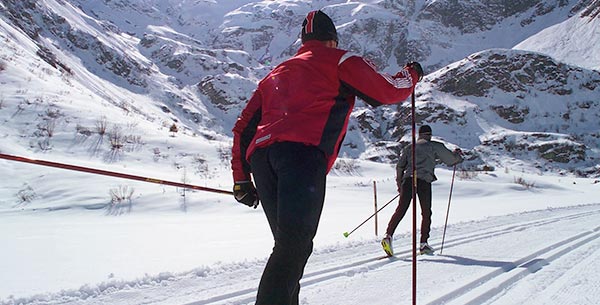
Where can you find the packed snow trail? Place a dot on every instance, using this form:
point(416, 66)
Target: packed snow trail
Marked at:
point(487, 275)
point(532, 257)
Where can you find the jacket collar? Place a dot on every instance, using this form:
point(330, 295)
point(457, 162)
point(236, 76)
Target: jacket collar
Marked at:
point(311, 44)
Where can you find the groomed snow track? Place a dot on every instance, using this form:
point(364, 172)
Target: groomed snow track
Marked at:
point(482, 288)
point(539, 257)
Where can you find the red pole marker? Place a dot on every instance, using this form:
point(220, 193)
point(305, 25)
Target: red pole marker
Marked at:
point(112, 174)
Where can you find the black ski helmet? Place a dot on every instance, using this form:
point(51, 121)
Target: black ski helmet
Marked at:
point(425, 129)
point(318, 26)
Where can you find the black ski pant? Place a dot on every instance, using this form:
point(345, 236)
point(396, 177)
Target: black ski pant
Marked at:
point(424, 194)
point(290, 180)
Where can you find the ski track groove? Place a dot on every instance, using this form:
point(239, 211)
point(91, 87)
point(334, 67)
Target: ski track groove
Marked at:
point(571, 271)
point(521, 267)
point(362, 257)
point(514, 271)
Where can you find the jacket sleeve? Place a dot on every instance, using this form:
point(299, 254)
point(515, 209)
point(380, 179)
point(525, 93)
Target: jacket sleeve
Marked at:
point(243, 133)
point(401, 166)
point(445, 155)
point(373, 87)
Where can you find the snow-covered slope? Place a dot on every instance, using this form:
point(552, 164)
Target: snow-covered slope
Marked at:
point(574, 41)
point(543, 113)
point(506, 243)
point(195, 63)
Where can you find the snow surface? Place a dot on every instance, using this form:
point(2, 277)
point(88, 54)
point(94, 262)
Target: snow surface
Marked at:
point(569, 41)
point(505, 243)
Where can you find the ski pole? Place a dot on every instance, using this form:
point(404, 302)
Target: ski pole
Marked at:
point(414, 200)
point(109, 173)
point(448, 210)
point(346, 234)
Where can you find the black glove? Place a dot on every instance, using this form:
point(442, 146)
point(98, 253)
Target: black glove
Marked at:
point(458, 152)
point(244, 192)
point(417, 67)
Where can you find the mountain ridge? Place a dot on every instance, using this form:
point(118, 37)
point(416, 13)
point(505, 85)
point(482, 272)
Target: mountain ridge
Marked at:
point(171, 64)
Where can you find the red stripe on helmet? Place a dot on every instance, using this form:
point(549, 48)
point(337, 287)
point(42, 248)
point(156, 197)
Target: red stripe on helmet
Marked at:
point(309, 22)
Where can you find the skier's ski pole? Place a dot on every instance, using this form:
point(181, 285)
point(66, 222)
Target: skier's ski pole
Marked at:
point(414, 200)
point(346, 234)
point(448, 210)
point(109, 173)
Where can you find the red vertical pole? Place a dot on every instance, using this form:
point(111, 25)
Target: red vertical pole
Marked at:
point(375, 202)
point(414, 201)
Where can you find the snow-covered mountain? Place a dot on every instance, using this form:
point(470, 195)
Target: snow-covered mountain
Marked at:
point(544, 112)
point(574, 41)
point(195, 63)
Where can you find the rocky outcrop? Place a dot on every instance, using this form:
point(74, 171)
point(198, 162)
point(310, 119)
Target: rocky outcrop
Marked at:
point(43, 25)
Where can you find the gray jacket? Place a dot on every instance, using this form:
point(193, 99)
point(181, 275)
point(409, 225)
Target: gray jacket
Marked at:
point(427, 153)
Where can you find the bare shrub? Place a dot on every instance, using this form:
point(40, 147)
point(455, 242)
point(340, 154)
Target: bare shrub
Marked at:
point(26, 194)
point(117, 142)
point(44, 144)
point(183, 192)
point(116, 139)
point(121, 194)
point(526, 184)
point(156, 151)
point(2, 65)
point(83, 130)
point(50, 127)
point(201, 165)
point(101, 126)
point(133, 142)
point(120, 198)
point(53, 113)
point(125, 107)
point(467, 175)
point(132, 125)
point(224, 154)
point(20, 109)
point(45, 130)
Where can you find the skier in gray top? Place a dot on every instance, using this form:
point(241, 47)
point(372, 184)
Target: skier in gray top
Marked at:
point(427, 153)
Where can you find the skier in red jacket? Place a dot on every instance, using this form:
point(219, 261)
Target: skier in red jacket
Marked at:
point(288, 137)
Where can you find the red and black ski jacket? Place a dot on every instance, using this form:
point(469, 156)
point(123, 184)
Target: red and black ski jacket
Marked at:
point(308, 99)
